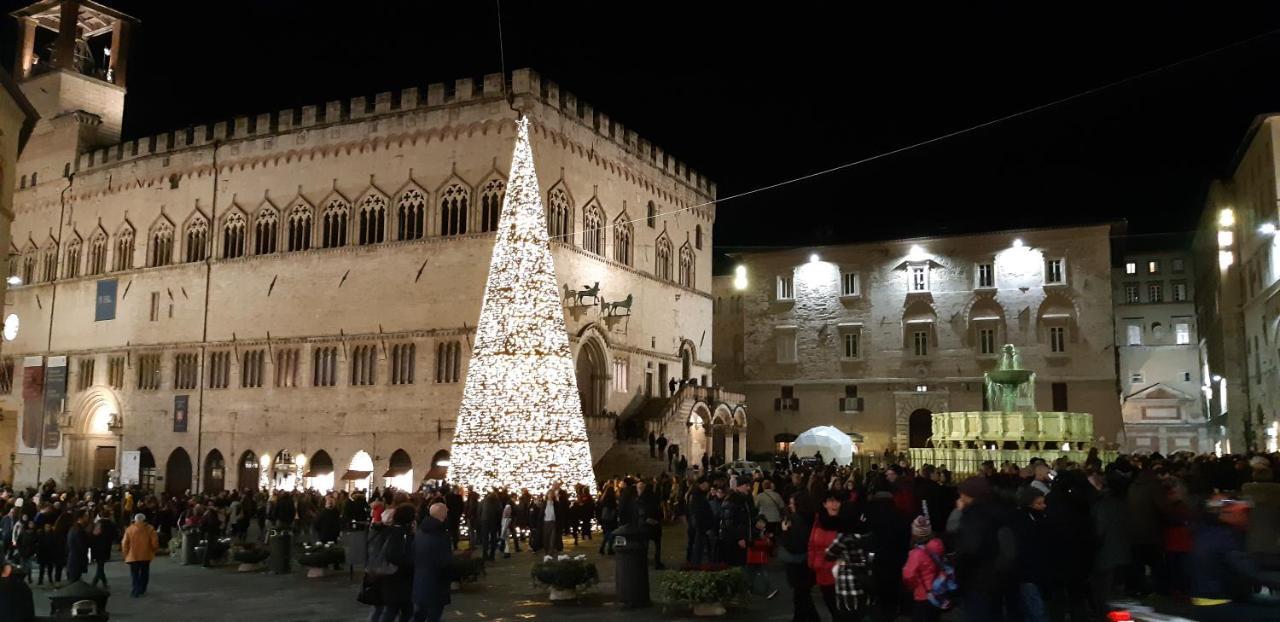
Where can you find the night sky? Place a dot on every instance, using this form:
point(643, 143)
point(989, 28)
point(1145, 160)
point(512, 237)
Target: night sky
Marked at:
point(755, 94)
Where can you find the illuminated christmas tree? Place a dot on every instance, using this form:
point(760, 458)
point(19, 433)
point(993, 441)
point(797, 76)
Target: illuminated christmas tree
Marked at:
point(520, 424)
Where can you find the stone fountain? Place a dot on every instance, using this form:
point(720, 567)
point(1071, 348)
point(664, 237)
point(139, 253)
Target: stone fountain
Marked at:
point(1013, 430)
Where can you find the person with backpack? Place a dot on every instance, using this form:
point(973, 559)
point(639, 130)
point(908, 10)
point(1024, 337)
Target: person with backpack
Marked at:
point(389, 569)
point(930, 579)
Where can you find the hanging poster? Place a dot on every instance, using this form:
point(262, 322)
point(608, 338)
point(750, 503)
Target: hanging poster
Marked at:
point(130, 467)
point(55, 399)
point(32, 403)
point(180, 413)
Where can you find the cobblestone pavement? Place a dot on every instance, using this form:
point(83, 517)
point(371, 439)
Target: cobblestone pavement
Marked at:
point(182, 593)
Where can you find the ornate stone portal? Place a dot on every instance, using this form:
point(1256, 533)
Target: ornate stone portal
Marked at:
point(1015, 431)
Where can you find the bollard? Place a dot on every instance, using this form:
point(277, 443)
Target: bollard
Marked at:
point(631, 570)
point(281, 551)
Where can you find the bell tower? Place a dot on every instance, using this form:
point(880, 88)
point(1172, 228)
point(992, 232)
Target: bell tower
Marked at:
point(72, 59)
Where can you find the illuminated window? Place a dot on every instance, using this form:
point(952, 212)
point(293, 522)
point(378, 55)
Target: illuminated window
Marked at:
point(786, 342)
point(1134, 335)
point(1155, 292)
point(1179, 291)
point(786, 290)
point(1182, 333)
point(919, 278)
point(1054, 271)
point(987, 341)
point(920, 343)
point(850, 284)
point(1153, 266)
point(986, 275)
point(1057, 339)
point(1131, 267)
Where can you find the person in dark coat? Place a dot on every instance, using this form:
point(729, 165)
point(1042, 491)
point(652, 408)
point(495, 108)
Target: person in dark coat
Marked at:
point(985, 550)
point(1035, 559)
point(653, 445)
point(455, 504)
point(397, 589)
point(16, 601)
point(793, 550)
point(738, 513)
point(486, 532)
point(78, 548)
point(432, 556)
point(105, 534)
point(328, 523)
point(284, 512)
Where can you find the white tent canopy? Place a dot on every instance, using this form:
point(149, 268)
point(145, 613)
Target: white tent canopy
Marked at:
point(830, 441)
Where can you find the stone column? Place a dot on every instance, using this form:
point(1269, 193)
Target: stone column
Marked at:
point(26, 47)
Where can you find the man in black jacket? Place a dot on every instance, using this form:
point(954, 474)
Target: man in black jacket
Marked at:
point(78, 548)
point(432, 556)
point(735, 526)
point(647, 514)
point(702, 524)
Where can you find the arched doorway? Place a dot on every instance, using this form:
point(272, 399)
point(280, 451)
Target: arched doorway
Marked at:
point(592, 377)
point(215, 472)
point(177, 473)
point(286, 470)
point(919, 428)
point(249, 471)
point(717, 441)
point(359, 472)
point(399, 473)
point(439, 466)
point(146, 469)
point(698, 419)
point(319, 475)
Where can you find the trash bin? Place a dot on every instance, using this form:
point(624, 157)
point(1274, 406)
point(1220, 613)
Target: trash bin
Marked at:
point(79, 600)
point(631, 569)
point(281, 551)
point(190, 539)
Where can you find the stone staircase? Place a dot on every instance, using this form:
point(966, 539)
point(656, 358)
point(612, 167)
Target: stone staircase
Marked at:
point(663, 415)
point(629, 457)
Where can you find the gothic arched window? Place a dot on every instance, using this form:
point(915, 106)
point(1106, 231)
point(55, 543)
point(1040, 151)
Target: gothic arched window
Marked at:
point(233, 229)
point(334, 224)
point(453, 210)
point(411, 212)
point(559, 215)
point(491, 204)
point(197, 239)
point(266, 231)
point(373, 219)
point(593, 228)
point(299, 228)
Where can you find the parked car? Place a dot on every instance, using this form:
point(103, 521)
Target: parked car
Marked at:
point(740, 467)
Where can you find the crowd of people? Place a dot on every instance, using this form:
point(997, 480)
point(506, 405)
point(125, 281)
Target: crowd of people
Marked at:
point(1043, 541)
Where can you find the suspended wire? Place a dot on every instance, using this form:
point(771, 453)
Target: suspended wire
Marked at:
point(960, 132)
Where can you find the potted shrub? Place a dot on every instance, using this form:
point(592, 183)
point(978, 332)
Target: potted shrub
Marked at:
point(250, 557)
point(319, 556)
point(706, 588)
point(565, 577)
point(465, 568)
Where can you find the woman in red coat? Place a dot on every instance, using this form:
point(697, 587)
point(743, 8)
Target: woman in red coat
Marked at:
point(825, 530)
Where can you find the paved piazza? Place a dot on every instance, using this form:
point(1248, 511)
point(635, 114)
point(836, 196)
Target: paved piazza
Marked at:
point(194, 593)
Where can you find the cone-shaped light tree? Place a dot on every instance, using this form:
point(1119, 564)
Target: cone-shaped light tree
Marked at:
point(521, 425)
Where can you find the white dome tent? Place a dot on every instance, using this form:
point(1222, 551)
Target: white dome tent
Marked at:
point(830, 441)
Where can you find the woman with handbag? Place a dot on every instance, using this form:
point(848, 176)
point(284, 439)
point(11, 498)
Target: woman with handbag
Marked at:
point(794, 554)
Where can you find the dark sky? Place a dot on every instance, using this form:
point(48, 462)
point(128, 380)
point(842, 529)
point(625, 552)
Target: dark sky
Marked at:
point(754, 94)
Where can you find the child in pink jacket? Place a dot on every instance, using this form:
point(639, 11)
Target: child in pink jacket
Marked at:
point(921, 569)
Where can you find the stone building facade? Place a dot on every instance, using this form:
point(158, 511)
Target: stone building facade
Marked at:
point(289, 299)
point(873, 338)
point(1238, 277)
point(1162, 397)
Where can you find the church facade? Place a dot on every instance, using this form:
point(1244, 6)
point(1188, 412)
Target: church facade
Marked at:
point(289, 299)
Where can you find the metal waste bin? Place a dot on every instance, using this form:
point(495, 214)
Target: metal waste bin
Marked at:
point(631, 569)
point(190, 539)
point(281, 551)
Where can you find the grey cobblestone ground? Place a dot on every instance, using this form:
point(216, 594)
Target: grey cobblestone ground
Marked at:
point(505, 595)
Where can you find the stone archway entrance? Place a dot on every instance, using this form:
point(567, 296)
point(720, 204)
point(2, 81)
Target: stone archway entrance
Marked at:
point(92, 446)
point(919, 428)
point(249, 471)
point(906, 403)
point(593, 376)
point(215, 472)
point(686, 362)
point(177, 473)
point(699, 419)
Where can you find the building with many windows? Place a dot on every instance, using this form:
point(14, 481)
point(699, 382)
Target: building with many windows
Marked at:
point(1159, 348)
point(873, 338)
point(289, 298)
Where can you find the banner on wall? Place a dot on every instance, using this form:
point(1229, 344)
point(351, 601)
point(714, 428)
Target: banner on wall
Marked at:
point(55, 399)
point(180, 413)
point(104, 307)
point(32, 403)
point(130, 467)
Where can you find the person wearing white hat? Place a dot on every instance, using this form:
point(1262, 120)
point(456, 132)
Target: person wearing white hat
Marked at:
point(139, 547)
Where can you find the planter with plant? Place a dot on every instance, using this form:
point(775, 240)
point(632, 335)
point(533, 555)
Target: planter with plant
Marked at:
point(319, 556)
point(565, 577)
point(705, 588)
point(250, 557)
